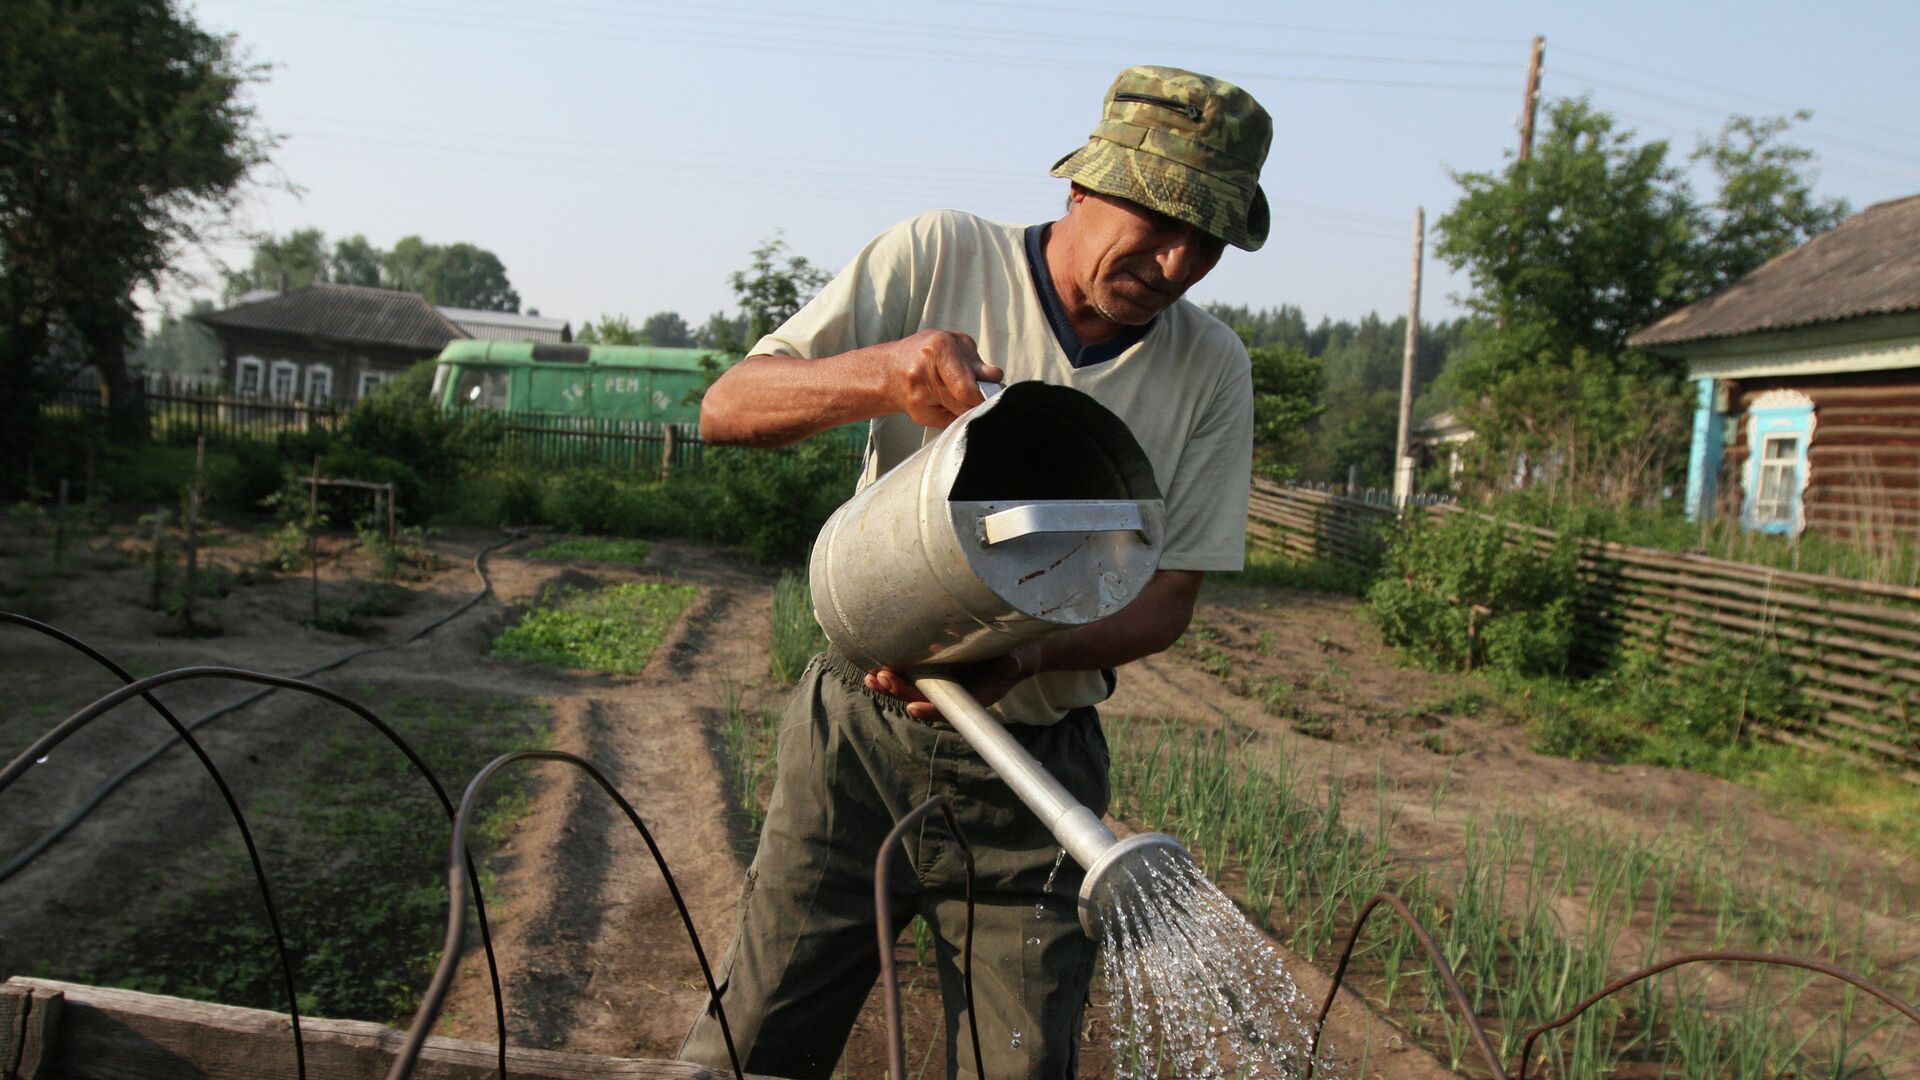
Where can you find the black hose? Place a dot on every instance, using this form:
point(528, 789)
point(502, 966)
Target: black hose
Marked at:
point(883, 929)
point(100, 706)
point(112, 783)
point(460, 872)
point(233, 807)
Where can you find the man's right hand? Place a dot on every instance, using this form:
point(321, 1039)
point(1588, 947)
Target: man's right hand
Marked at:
point(936, 376)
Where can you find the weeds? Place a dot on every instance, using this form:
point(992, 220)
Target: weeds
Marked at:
point(613, 630)
point(796, 634)
point(356, 847)
point(1536, 915)
point(609, 549)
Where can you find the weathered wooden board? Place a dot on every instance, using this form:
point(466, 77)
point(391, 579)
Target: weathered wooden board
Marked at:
point(94, 1033)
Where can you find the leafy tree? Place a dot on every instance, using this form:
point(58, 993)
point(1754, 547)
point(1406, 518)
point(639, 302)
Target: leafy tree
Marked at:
point(355, 262)
point(1590, 239)
point(773, 288)
point(667, 329)
point(723, 333)
point(1286, 400)
point(180, 344)
point(453, 275)
point(123, 135)
point(1570, 252)
point(609, 330)
point(282, 264)
point(1766, 205)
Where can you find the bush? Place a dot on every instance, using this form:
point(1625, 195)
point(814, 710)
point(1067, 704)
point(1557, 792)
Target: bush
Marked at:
point(774, 501)
point(1458, 595)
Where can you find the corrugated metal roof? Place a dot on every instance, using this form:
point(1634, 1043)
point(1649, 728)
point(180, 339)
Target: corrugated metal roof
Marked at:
point(1869, 265)
point(508, 326)
point(350, 314)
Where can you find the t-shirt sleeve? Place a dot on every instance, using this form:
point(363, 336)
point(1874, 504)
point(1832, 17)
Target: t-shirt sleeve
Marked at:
point(1207, 499)
point(868, 302)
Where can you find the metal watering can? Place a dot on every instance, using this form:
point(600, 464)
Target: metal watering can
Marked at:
point(1033, 513)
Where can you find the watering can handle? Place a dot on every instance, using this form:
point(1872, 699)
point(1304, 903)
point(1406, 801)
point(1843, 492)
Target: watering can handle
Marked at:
point(1065, 516)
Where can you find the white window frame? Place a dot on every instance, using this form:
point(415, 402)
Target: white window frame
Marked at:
point(292, 371)
point(320, 377)
point(370, 379)
point(242, 368)
point(1792, 483)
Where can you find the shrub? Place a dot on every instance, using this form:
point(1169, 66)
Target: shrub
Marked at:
point(1457, 594)
point(774, 501)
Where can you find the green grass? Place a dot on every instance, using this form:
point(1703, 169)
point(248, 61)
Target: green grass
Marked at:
point(1266, 567)
point(1532, 914)
point(796, 635)
point(612, 549)
point(355, 848)
point(613, 630)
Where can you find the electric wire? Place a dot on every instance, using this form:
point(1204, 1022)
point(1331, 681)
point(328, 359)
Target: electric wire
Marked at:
point(47, 742)
point(19, 861)
point(461, 874)
point(787, 46)
point(884, 932)
point(233, 807)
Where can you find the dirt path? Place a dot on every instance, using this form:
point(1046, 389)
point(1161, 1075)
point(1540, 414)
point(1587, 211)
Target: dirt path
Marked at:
point(593, 952)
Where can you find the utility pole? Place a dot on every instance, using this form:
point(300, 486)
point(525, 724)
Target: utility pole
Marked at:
point(1531, 103)
point(1402, 455)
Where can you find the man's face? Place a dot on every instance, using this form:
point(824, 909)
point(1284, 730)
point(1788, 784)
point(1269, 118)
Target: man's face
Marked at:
point(1131, 263)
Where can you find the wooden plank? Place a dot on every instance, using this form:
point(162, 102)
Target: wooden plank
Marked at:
point(110, 1034)
point(29, 1025)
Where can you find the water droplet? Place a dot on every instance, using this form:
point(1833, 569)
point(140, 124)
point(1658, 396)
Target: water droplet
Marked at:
point(42, 759)
point(1033, 941)
point(1059, 858)
point(1039, 911)
point(1016, 1038)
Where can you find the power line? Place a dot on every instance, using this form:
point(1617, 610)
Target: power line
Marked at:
point(1718, 111)
point(1770, 102)
point(1242, 25)
point(505, 22)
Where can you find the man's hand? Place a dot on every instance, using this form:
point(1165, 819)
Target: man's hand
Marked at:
point(936, 376)
point(988, 681)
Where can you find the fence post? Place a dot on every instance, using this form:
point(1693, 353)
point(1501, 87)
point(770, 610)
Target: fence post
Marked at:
point(391, 491)
point(193, 558)
point(666, 452)
point(313, 529)
point(60, 524)
point(157, 560)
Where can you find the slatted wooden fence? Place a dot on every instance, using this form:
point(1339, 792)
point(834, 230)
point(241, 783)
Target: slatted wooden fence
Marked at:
point(577, 440)
point(1855, 646)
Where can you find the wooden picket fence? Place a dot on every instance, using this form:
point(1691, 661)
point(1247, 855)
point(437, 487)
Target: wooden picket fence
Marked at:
point(578, 440)
point(1853, 645)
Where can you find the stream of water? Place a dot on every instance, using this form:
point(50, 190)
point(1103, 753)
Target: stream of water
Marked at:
point(1196, 991)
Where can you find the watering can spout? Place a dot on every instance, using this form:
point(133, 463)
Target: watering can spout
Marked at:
point(1118, 871)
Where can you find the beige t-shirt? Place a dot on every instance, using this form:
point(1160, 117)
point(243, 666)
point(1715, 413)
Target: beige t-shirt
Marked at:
point(1185, 389)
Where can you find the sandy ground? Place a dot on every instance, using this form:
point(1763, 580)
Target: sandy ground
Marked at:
point(593, 954)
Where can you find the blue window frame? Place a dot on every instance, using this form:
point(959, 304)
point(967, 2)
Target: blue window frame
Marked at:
point(1779, 427)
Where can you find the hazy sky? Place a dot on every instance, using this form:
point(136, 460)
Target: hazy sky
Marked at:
point(626, 155)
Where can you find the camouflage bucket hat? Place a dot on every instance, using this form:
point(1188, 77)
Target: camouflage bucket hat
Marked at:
point(1187, 145)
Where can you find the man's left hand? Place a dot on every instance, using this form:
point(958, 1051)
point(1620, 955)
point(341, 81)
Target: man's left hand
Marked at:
point(988, 681)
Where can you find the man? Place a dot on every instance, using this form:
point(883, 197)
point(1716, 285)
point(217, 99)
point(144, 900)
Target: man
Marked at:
point(902, 337)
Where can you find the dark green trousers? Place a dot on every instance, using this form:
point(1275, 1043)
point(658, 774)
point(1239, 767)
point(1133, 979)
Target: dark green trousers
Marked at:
point(804, 958)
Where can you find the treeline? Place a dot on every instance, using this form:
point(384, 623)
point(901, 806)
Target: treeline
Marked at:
point(1327, 394)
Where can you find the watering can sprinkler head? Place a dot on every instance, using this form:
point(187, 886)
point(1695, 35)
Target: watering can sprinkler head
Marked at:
point(1128, 874)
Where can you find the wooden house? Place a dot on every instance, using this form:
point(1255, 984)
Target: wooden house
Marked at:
point(1808, 381)
point(325, 344)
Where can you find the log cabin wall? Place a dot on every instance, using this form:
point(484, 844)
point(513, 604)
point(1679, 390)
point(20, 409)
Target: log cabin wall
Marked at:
point(1863, 461)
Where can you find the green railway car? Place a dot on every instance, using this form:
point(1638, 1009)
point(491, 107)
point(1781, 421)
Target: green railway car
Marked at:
point(597, 382)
